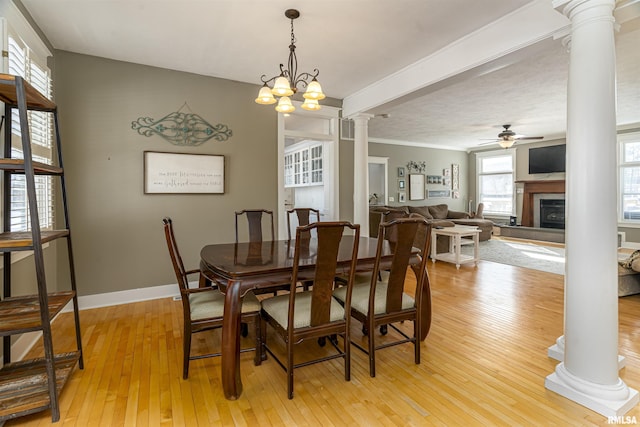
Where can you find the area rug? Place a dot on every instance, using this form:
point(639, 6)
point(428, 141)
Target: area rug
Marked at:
point(521, 254)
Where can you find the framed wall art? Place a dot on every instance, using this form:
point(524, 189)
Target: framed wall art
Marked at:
point(416, 186)
point(439, 194)
point(402, 197)
point(179, 173)
point(401, 184)
point(455, 176)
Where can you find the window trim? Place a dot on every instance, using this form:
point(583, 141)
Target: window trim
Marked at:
point(497, 153)
point(622, 139)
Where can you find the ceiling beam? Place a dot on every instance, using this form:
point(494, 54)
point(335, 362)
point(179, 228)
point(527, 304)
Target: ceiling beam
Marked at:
point(529, 25)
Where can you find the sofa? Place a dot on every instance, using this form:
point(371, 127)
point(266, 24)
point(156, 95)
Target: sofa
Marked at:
point(436, 215)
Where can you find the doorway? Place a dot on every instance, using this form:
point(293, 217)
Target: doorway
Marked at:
point(308, 159)
point(378, 181)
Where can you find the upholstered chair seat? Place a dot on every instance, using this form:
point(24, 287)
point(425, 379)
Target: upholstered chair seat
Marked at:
point(205, 305)
point(360, 296)
point(278, 309)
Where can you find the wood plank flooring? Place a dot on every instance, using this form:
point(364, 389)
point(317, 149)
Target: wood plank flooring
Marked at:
point(483, 363)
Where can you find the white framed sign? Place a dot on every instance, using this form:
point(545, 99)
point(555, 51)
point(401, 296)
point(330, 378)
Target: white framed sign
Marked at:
point(180, 173)
point(416, 186)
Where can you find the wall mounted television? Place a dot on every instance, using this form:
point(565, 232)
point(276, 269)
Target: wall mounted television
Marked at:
point(548, 159)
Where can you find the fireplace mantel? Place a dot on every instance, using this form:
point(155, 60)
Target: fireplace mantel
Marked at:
point(537, 187)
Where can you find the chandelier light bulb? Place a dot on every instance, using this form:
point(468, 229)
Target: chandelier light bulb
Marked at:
point(281, 87)
point(314, 91)
point(265, 97)
point(311, 105)
point(285, 105)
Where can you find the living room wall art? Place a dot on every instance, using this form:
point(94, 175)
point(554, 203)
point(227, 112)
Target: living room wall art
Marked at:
point(416, 167)
point(184, 129)
point(439, 194)
point(455, 176)
point(416, 186)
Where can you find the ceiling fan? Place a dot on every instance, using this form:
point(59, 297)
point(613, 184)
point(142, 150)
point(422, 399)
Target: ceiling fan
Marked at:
point(507, 137)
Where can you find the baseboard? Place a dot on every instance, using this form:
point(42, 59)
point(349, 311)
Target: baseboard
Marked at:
point(26, 341)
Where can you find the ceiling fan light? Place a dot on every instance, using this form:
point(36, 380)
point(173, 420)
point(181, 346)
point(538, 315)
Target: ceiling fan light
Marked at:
point(281, 87)
point(506, 143)
point(314, 91)
point(285, 105)
point(265, 97)
point(311, 105)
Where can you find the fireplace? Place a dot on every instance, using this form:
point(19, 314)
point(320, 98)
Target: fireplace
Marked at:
point(531, 189)
point(552, 213)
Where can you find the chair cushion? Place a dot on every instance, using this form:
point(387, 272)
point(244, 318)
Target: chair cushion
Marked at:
point(278, 308)
point(205, 305)
point(360, 298)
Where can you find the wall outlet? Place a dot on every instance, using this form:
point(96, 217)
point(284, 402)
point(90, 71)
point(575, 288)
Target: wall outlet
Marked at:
point(392, 199)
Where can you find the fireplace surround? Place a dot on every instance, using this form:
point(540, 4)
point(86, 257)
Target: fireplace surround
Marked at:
point(531, 188)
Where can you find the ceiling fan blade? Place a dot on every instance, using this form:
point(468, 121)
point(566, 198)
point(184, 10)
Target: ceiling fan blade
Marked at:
point(529, 137)
point(493, 141)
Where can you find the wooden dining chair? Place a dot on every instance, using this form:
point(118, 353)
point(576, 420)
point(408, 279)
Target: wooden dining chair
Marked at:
point(255, 224)
point(305, 315)
point(203, 307)
point(384, 299)
point(304, 217)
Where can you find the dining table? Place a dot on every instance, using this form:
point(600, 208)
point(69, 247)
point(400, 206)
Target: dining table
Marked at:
point(237, 268)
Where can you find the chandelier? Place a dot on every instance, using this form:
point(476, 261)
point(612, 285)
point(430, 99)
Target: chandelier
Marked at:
point(286, 83)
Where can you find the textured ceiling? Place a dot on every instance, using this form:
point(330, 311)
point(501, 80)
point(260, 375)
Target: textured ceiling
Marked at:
point(353, 43)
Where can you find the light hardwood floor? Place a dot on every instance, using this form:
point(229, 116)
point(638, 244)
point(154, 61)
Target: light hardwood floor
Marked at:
point(483, 363)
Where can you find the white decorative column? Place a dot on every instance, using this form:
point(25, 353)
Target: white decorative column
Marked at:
point(589, 373)
point(361, 172)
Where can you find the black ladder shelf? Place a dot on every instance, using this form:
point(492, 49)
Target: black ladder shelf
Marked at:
point(33, 385)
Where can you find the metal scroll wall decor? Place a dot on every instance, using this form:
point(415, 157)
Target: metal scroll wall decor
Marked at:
point(182, 128)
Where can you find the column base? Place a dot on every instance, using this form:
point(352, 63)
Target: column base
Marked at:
point(556, 352)
point(608, 400)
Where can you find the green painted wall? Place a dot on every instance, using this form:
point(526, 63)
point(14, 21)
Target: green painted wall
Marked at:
point(117, 230)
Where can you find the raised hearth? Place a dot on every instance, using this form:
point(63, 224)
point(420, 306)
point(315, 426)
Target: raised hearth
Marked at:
point(531, 233)
point(532, 188)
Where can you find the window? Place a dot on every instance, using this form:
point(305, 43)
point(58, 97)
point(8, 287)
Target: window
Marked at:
point(41, 127)
point(629, 178)
point(495, 172)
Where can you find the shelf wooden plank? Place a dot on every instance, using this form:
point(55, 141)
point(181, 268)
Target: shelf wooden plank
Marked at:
point(35, 100)
point(22, 314)
point(17, 166)
point(22, 240)
point(23, 385)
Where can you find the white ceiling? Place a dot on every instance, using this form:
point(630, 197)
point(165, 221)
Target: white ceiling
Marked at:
point(355, 44)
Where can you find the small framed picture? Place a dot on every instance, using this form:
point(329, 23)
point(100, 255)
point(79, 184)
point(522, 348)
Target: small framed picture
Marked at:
point(401, 172)
point(401, 184)
point(402, 197)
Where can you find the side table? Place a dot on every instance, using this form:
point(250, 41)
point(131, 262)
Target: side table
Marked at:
point(459, 236)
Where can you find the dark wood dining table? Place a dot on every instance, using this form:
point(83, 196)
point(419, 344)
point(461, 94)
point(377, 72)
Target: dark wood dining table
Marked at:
point(263, 266)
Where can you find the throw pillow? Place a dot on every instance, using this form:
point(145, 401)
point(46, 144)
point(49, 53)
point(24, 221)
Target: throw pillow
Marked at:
point(439, 211)
point(422, 210)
